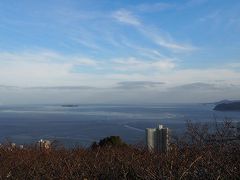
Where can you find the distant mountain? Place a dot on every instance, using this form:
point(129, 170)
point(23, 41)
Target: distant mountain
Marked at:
point(228, 106)
point(225, 101)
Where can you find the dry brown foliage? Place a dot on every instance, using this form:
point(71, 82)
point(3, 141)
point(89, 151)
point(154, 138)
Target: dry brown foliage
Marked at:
point(183, 161)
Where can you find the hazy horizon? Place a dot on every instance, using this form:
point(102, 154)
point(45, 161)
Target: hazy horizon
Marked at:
point(119, 52)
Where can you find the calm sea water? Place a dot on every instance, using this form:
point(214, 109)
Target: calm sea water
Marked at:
point(87, 123)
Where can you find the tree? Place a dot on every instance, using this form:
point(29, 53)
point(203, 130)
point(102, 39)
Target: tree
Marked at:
point(111, 141)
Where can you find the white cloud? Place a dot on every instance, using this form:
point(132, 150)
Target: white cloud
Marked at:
point(163, 39)
point(41, 56)
point(126, 85)
point(125, 16)
point(44, 56)
point(208, 75)
point(133, 64)
point(150, 53)
point(191, 4)
point(32, 73)
point(49, 72)
point(164, 65)
point(158, 37)
point(234, 65)
point(84, 61)
point(154, 7)
point(212, 16)
point(41, 68)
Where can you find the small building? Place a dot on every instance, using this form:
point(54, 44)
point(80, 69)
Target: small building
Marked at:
point(13, 145)
point(157, 139)
point(44, 144)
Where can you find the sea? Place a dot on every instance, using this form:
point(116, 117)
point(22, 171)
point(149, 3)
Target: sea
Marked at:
point(81, 125)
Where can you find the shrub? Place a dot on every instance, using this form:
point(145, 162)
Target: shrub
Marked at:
point(112, 141)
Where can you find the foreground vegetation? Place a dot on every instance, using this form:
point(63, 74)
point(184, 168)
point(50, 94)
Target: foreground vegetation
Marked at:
point(194, 158)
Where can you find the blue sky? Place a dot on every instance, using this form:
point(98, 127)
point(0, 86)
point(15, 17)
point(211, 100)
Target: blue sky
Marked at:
point(118, 51)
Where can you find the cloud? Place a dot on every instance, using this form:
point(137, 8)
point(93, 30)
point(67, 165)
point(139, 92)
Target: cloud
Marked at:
point(210, 75)
point(45, 56)
point(48, 76)
point(152, 53)
point(164, 39)
point(125, 16)
point(154, 7)
point(4, 87)
point(133, 64)
point(62, 88)
point(36, 56)
point(163, 65)
point(193, 3)
point(87, 42)
point(67, 87)
point(234, 65)
point(138, 84)
point(199, 86)
point(201, 92)
point(225, 19)
point(158, 37)
point(212, 16)
point(45, 68)
point(162, 6)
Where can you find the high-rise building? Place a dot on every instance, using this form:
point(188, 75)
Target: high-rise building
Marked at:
point(238, 130)
point(157, 139)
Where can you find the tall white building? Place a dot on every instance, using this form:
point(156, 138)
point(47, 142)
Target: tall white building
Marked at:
point(238, 130)
point(157, 139)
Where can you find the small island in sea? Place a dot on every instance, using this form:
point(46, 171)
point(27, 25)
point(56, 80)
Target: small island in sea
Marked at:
point(230, 106)
point(69, 105)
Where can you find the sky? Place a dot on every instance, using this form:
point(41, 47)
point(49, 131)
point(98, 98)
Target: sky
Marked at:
point(119, 51)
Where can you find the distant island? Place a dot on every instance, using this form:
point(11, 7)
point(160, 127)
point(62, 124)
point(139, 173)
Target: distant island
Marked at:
point(70, 105)
point(228, 106)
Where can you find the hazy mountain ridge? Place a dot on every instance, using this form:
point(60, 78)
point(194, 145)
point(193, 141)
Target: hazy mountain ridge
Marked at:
point(228, 106)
